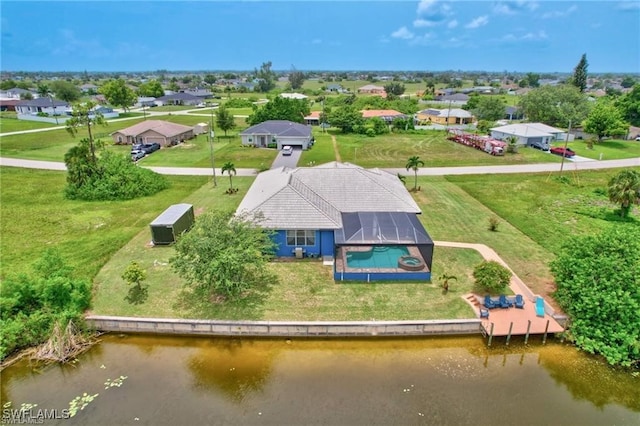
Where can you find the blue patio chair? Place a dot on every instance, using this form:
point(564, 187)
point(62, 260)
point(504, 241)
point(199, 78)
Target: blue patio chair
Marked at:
point(504, 302)
point(484, 313)
point(519, 301)
point(489, 303)
point(539, 306)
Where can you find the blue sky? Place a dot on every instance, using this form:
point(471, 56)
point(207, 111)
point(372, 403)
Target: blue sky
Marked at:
point(427, 35)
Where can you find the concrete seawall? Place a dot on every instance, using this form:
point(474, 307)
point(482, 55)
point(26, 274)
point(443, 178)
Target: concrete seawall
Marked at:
point(283, 329)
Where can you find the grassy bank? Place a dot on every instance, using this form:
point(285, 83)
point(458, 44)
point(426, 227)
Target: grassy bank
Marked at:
point(35, 215)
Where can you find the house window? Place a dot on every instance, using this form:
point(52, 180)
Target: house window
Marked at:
point(301, 237)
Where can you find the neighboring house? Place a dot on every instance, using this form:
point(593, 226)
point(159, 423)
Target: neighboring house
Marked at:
point(372, 90)
point(178, 99)
point(455, 98)
point(513, 113)
point(313, 119)
point(163, 132)
point(293, 96)
point(335, 88)
point(43, 105)
point(146, 101)
point(444, 116)
point(88, 88)
point(342, 211)
point(529, 134)
point(16, 93)
point(388, 115)
point(200, 93)
point(280, 132)
point(8, 104)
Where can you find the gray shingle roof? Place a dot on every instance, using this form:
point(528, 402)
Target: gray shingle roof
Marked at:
point(279, 128)
point(315, 197)
point(42, 102)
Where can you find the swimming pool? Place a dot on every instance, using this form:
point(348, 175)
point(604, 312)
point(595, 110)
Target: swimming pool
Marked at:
point(377, 257)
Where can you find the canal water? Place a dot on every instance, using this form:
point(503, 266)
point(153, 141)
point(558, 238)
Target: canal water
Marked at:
point(150, 380)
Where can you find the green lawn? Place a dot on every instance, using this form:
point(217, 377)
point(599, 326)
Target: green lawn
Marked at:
point(544, 208)
point(9, 123)
point(35, 215)
point(606, 150)
point(321, 152)
point(432, 146)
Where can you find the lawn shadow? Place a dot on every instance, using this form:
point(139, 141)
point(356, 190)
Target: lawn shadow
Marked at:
point(137, 294)
point(249, 306)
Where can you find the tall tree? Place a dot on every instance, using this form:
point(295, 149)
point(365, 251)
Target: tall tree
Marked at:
point(629, 105)
point(280, 108)
point(224, 119)
point(224, 255)
point(266, 77)
point(598, 280)
point(296, 79)
point(624, 189)
point(555, 105)
point(118, 94)
point(579, 78)
point(346, 118)
point(414, 163)
point(394, 89)
point(83, 114)
point(152, 88)
point(605, 120)
point(489, 108)
point(43, 90)
point(65, 90)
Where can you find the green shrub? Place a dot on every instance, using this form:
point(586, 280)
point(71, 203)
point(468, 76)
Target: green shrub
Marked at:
point(491, 276)
point(238, 103)
point(115, 177)
point(31, 304)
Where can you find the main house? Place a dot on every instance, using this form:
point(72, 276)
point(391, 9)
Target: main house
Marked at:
point(149, 131)
point(363, 219)
point(279, 133)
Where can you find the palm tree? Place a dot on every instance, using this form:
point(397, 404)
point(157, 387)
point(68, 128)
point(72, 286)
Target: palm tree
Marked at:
point(624, 189)
point(231, 169)
point(512, 147)
point(402, 178)
point(414, 163)
point(445, 280)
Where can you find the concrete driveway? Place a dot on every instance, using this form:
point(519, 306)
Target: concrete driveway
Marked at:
point(290, 161)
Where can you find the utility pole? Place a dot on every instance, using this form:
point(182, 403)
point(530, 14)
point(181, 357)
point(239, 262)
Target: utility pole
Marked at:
point(211, 137)
point(566, 141)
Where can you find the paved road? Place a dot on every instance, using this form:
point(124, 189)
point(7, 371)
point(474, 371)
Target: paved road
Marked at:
point(290, 161)
point(425, 171)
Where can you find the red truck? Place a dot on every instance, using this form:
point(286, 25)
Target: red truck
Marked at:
point(483, 143)
point(566, 152)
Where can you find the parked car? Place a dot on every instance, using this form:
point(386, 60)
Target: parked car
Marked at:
point(566, 152)
point(137, 155)
point(638, 138)
point(540, 145)
point(287, 150)
point(148, 148)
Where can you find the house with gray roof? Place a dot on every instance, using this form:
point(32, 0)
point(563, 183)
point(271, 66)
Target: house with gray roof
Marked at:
point(178, 99)
point(529, 134)
point(341, 211)
point(278, 132)
point(42, 105)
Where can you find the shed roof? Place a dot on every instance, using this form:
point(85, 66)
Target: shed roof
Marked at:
point(171, 214)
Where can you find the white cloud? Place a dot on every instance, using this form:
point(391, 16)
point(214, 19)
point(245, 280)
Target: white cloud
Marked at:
point(514, 7)
point(452, 24)
point(419, 23)
point(531, 36)
point(425, 5)
point(628, 5)
point(478, 22)
point(560, 13)
point(402, 33)
point(425, 39)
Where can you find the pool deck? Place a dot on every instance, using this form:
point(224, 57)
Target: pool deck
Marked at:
point(342, 266)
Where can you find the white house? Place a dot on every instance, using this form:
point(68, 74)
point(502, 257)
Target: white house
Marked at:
point(279, 132)
point(42, 105)
point(529, 134)
point(293, 96)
